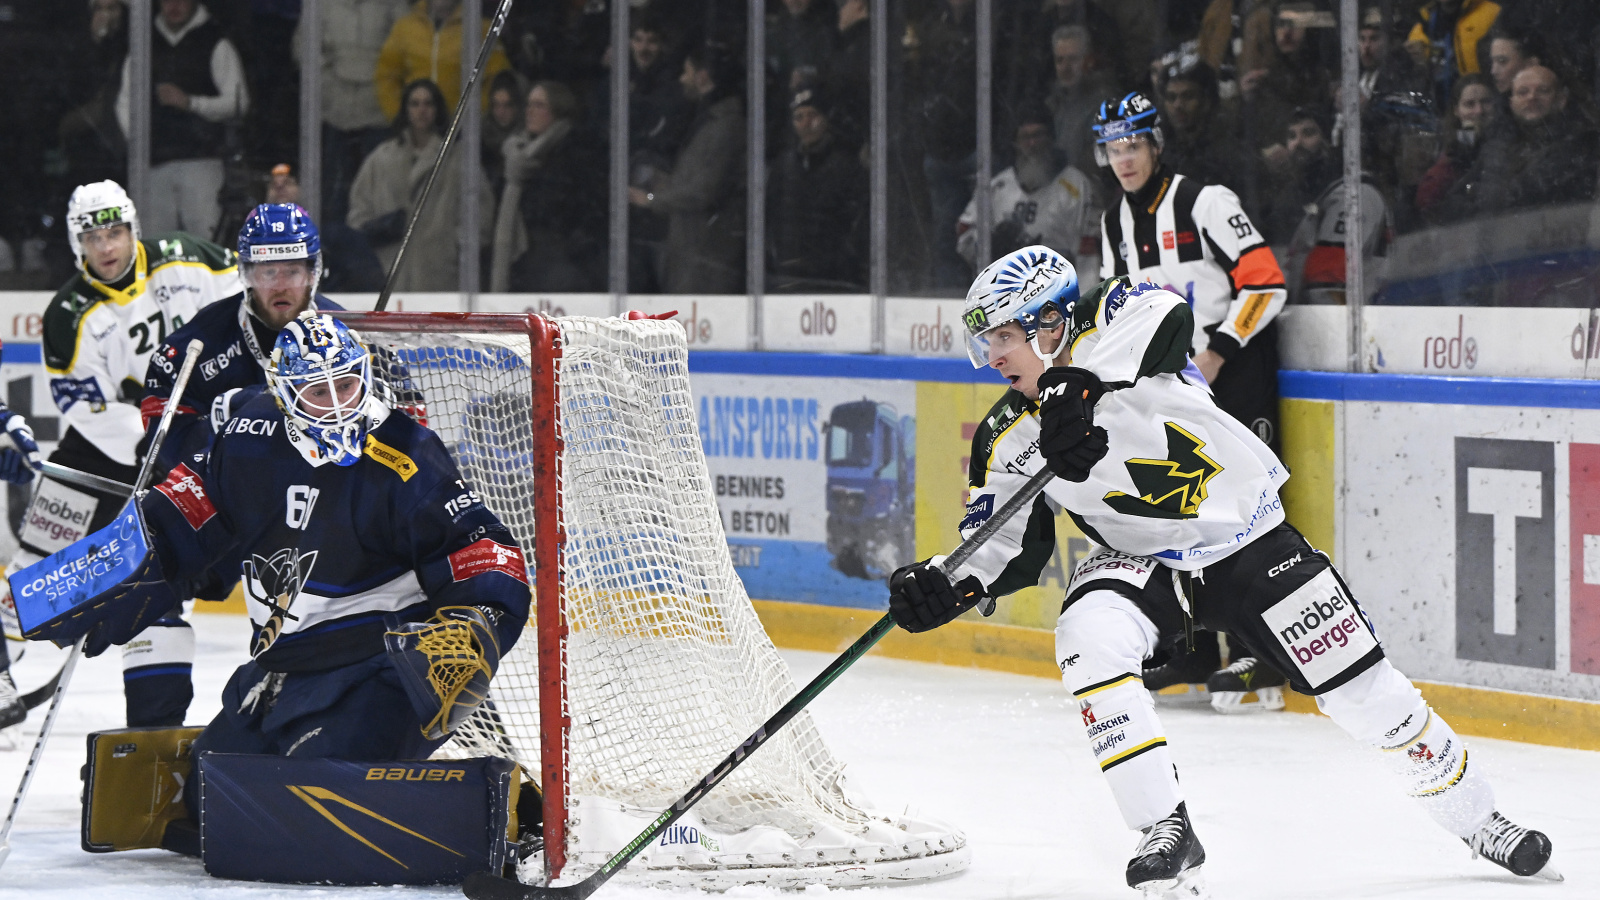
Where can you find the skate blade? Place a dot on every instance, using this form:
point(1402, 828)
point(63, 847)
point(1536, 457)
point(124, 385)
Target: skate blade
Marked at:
point(1548, 873)
point(1182, 695)
point(1231, 703)
point(1190, 885)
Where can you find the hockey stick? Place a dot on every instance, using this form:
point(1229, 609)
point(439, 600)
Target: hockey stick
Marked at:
point(490, 886)
point(191, 356)
point(85, 479)
point(500, 13)
point(33, 698)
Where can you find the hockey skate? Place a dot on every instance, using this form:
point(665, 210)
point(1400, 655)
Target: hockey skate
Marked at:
point(12, 710)
point(1521, 851)
point(1229, 686)
point(1166, 864)
point(1181, 680)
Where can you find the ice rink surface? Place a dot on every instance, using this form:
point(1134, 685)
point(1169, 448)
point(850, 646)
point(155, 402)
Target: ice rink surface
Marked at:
point(1286, 805)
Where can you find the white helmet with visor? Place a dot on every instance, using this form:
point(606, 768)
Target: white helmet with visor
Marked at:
point(1034, 287)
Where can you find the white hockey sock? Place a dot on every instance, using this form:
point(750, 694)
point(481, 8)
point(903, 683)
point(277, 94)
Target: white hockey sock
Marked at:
point(1383, 708)
point(160, 645)
point(1102, 641)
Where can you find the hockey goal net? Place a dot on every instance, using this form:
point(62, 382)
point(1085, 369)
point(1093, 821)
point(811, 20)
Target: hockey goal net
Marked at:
point(644, 663)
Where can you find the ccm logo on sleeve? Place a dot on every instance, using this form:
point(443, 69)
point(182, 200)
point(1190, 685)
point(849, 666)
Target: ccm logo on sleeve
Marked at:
point(184, 488)
point(487, 556)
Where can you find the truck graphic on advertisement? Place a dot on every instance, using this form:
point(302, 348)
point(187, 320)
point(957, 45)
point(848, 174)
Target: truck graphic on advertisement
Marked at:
point(871, 488)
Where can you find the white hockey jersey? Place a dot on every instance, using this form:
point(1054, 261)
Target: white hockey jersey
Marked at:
point(1060, 215)
point(98, 338)
point(1181, 481)
point(1196, 241)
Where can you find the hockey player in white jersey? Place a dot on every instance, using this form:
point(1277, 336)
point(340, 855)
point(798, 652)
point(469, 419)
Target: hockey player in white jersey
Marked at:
point(130, 292)
point(1182, 501)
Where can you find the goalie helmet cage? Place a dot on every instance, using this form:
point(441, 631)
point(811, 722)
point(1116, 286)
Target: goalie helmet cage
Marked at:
point(650, 664)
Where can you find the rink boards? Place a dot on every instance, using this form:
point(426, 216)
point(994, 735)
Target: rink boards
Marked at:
point(1465, 513)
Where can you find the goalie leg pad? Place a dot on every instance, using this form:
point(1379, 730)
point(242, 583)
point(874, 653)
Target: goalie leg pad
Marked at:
point(133, 786)
point(1102, 641)
point(1383, 708)
point(327, 821)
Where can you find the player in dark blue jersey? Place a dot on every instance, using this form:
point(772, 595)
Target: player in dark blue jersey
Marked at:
point(356, 537)
point(16, 467)
point(280, 262)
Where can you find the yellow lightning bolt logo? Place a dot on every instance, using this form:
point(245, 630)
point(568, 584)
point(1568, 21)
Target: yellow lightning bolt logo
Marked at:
point(1171, 488)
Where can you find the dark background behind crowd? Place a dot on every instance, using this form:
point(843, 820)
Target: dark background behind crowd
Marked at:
point(1471, 110)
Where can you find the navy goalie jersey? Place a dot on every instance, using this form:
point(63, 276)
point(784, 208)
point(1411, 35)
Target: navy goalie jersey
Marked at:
point(326, 552)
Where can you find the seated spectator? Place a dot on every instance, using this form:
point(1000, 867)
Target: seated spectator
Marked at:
point(1385, 69)
point(1439, 194)
point(197, 92)
point(550, 231)
point(1546, 153)
point(1075, 94)
point(508, 97)
point(943, 75)
point(89, 134)
point(1316, 258)
point(388, 185)
point(1200, 142)
point(1294, 77)
point(1448, 39)
point(1300, 175)
point(1038, 200)
point(816, 206)
point(1509, 54)
point(426, 44)
point(703, 197)
point(348, 264)
point(1562, 33)
point(353, 124)
point(1019, 72)
point(658, 113)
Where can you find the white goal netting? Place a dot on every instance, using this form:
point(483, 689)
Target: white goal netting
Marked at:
point(667, 667)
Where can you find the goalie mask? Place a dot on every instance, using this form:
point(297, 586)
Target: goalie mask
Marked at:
point(103, 204)
point(1034, 287)
point(322, 379)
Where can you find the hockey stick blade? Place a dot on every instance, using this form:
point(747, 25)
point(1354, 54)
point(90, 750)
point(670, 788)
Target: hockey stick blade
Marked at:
point(38, 695)
point(489, 886)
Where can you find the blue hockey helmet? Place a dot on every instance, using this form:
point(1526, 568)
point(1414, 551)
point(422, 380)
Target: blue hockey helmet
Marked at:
point(279, 233)
point(1035, 287)
point(321, 376)
point(1119, 120)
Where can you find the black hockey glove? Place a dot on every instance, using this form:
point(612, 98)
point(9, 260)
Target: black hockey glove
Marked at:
point(1068, 438)
point(921, 598)
point(385, 229)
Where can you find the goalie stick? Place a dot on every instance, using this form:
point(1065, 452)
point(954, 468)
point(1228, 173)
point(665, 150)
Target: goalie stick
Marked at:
point(500, 13)
point(490, 886)
point(190, 357)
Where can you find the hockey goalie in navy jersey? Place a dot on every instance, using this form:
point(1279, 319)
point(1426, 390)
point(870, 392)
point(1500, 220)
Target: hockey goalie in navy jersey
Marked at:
point(359, 547)
point(1182, 502)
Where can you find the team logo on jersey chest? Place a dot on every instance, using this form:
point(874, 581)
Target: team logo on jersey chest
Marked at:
point(1171, 488)
point(275, 582)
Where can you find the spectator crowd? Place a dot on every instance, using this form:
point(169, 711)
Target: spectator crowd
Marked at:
point(1470, 109)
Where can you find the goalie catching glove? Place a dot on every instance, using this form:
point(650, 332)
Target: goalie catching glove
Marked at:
point(1068, 438)
point(921, 597)
point(445, 664)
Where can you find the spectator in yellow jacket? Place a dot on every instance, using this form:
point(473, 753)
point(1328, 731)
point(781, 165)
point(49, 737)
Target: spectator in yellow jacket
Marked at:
point(426, 43)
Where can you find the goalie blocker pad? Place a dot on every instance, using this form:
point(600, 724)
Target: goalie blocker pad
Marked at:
point(329, 821)
point(110, 575)
point(133, 786)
